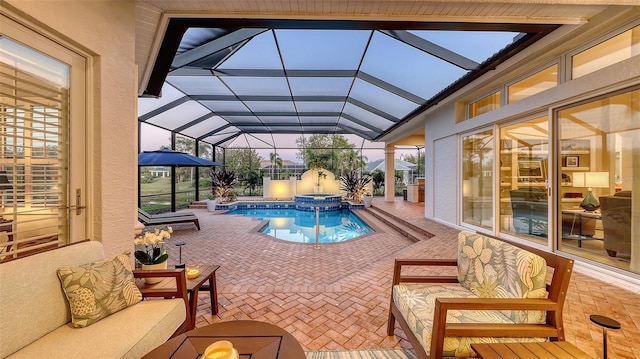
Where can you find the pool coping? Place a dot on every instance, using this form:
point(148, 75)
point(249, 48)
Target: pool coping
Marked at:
point(270, 204)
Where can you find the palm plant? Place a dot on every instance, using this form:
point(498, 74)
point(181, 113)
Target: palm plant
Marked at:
point(275, 161)
point(353, 186)
point(222, 183)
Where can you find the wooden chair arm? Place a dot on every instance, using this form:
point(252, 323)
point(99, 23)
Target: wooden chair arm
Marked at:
point(399, 263)
point(543, 304)
point(442, 329)
point(179, 291)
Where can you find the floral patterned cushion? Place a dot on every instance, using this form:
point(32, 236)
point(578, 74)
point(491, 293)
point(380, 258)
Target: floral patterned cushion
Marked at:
point(416, 303)
point(490, 268)
point(99, 289)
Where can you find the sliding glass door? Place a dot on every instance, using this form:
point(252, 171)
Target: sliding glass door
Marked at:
point(523, 170)
point(599, 176)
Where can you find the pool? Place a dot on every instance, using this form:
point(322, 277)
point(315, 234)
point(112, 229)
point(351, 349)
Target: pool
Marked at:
point(299, 226)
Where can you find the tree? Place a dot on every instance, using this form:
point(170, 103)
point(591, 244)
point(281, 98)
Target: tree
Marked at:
point(241, 160)
point(252, 179)
point(335, 150)
point(418, 161)
point(187, 145)
point(275, 159)
point(245, 162)
point(378, 181)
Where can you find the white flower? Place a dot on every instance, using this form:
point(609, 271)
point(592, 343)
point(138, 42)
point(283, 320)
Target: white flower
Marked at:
point(152, 241)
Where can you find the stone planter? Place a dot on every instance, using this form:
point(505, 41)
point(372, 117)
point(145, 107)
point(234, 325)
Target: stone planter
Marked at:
point(367, 201)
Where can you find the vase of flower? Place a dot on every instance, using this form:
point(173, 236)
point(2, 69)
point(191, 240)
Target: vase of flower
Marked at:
point(151, 253)
point(162, 265)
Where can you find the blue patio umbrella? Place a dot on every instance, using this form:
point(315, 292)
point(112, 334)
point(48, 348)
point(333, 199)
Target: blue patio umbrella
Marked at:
point(167, 157)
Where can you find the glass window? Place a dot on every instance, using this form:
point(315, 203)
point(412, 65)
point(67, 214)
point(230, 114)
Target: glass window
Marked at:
point(484, 105)
point(606, 53)
point(599, 174)
point(524, 149)
point(533, 84)
point(477, 179)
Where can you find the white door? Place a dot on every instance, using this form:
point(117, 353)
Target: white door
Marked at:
point(42, 147)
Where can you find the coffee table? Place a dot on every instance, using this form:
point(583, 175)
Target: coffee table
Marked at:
point(207, 274)
point(251, 338)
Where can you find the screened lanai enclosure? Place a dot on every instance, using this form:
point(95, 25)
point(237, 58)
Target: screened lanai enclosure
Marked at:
point(267, 98)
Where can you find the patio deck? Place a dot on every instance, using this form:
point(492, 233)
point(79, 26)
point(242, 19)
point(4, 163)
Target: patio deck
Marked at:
point(337, 297)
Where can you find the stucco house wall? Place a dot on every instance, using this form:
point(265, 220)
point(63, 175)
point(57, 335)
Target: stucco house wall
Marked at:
point(442, 132)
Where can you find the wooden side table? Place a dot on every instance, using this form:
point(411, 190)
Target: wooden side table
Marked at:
point(207, 274)
point(564, 350)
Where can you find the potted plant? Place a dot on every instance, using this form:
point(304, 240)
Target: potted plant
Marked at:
point(222, 183)
point(212, 202)
point(354, 187)
point(367, 200)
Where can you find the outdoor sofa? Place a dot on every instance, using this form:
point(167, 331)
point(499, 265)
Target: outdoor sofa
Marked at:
point(37, 322)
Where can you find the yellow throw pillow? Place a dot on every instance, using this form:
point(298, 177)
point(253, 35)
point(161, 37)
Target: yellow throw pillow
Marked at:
point(97, 290)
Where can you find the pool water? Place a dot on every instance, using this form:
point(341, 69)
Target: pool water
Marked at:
point(299, 226)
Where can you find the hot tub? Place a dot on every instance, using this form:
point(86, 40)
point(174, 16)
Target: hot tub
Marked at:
point(325, 201)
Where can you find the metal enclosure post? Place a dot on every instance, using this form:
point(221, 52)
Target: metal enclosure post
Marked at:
point(317, 246)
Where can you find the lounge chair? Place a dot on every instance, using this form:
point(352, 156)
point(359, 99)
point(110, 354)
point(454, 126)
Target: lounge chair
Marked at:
point(167, 218)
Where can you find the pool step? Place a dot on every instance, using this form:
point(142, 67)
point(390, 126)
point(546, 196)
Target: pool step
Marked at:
point(407, 229)
point(198, 205)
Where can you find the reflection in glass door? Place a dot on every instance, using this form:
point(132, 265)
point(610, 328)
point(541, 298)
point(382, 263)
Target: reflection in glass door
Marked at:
point(477, 179)
point(599, 176)
point(524, 200)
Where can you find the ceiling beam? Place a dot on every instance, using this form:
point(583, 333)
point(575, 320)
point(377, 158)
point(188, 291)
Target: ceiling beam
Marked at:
point(432, 49)
point(391, 88)
point(354, 131)
point(211, 47)
point(163, 108)
point(373, 110)
point(286, 98)
point(213, 132)
point(278, 113)
point(362, 123)
point(281, 73)
point(194, 122)
point(227, 139)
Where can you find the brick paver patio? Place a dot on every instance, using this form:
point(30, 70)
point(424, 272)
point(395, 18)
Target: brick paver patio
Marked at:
point(337, 297)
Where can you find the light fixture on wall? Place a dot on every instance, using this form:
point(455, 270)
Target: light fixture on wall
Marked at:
point(590, 180)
